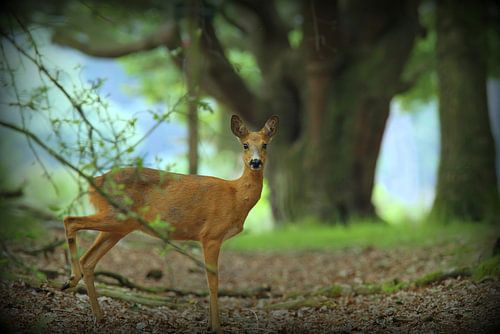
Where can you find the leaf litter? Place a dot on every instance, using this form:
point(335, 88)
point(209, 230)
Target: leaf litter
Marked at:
point(458, 304)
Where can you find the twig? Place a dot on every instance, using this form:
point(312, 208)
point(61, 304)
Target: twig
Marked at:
point(35, 212)
point(11, 194)
point(50, 247)
point(56, 83)
point(121, 208)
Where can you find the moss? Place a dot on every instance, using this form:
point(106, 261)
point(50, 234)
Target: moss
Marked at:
point(332, 291)
point(439, 276)
point(487, 268)
point(368, 289)
point(394, 286)
point(429, 278)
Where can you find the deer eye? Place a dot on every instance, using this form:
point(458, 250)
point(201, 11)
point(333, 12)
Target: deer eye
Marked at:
point(264, 146)
point(245, 146)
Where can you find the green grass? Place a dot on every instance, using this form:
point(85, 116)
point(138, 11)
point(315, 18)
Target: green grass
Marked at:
point(488, 268)
point(379, 235)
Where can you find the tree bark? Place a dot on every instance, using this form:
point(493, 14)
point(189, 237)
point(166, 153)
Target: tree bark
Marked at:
point(352, 75)
point(466, 186)
point(192, 71)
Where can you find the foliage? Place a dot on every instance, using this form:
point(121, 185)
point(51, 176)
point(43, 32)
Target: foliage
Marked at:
point(157, 81)
point(69, 121)
point(18, 225)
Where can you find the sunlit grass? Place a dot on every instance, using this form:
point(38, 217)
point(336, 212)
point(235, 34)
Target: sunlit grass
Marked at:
point(364, 234)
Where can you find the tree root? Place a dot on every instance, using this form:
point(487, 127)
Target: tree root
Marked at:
point(259, 292)
point(104, 290)
point(298, 303)
point(49, 248)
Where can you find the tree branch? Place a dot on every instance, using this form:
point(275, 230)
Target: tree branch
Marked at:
point(33, 211)
point(4, 194)
point(121, 208)
point(49, 248)
point(78, 107)
point(167, 35)
point(223, 82)
point(273, 27)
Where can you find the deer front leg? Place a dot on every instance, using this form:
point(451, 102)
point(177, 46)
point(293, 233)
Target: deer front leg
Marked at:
point(211, 249)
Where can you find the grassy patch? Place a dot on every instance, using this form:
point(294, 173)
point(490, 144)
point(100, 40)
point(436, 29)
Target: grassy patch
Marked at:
point(429, 278)
point(332, 291)
point(319, 237)
point(488, 268)
point(394, 286)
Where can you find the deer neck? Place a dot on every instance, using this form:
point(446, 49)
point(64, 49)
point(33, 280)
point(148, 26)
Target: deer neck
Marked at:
point(249, 186)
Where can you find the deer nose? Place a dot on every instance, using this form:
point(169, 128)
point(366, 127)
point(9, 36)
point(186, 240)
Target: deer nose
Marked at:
point(255, 163)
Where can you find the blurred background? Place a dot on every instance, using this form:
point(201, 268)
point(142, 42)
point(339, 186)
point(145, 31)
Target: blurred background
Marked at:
point(390, 112)
point(380, 210)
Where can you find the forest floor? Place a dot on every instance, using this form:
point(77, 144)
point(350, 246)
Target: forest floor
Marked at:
point(322, 291)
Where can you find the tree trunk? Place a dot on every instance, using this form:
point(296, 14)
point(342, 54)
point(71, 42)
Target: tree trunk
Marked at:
point(192, 71)
point(466, 187)
point(358, 125)
point(350, 81)
point(193, 136)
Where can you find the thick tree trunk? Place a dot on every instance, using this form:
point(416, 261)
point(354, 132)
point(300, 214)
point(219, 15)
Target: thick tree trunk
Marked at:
point(358, 124)
point(466, 186)
point(193, 69)
point(329, 173)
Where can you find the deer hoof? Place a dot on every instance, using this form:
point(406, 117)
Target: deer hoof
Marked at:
point(214, 330)
point(99, 318)
point(71, 283)
point(65, 286)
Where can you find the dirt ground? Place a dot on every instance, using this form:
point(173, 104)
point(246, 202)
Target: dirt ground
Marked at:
point(457, 305)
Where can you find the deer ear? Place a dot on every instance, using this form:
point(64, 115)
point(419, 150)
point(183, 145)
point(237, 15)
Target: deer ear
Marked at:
point(271, 126)
point(239, 129)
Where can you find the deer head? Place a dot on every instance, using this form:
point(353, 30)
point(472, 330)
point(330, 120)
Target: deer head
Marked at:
point(254, 143)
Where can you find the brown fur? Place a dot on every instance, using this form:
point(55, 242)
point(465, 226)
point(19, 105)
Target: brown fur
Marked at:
point(201, 208)
point(196, 207)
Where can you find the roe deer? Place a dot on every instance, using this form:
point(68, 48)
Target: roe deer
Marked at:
point(202, 208)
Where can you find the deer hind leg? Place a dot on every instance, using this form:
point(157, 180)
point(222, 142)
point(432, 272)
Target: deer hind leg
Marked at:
point(72, 225)
point(211, 250)
point(102, 244)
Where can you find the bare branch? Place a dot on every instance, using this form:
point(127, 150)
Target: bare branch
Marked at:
point(56, 83)
point(121, 208)
point(166, 35)
point(224, 13)
point(33, 211)
point(48, 248)
point(10, 70)
point(11, 194)
point(223, 82)
point(273, 27)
